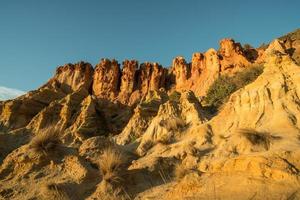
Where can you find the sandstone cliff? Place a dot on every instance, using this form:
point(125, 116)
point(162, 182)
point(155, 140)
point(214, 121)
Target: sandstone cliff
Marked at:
point(167, 144)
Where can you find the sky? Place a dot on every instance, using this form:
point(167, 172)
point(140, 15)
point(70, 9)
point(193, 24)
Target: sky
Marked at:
point(36, 36)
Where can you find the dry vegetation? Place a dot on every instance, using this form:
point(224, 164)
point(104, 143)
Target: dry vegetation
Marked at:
point(45, 143)
point(180, 171)
point(54, 191)
point(224, 86)
point(258, 138)
point(111, 165)
point(172, 124)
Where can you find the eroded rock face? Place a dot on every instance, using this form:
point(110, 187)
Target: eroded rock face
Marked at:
point(209, 73)
point(251, 143)
point(128, 80)
point(151, 77)
point(272, 93)
point(232, 55)
point(106, 79)
point(132, 84)
point(71, 77)
point(143, 114)
point(19, 112)
point(182, 71)
point(291, 42)
point(75, 115)
point(198, 65)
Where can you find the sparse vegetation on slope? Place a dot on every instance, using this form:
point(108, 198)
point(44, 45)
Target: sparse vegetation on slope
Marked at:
point(54, 191)
point(225, 85)
point(111, 165)
point(45, 143)
point(258, 138)
point(181, 171)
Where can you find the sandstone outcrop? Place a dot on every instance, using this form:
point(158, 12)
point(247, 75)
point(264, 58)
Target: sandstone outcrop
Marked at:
point(151, 77)
point(174, 147)
point(71, 77)
point(230, 148)
point(181, 70)
point(76, 115)
point(232, 56)
point(291, 42)
point(106, 79)
point(128, 80)
point(143, 114)
point(127, 86)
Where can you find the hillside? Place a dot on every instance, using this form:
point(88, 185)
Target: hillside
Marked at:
point(143, 131)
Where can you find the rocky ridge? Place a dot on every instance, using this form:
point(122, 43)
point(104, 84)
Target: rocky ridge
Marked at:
point(174, 149)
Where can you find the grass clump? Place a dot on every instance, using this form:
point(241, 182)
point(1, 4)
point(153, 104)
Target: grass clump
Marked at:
point(45, 143)
point(53, 191)
point(112, 164)
point(258, 138)
point(181, 171)
point(225, 85)
point(172, 124)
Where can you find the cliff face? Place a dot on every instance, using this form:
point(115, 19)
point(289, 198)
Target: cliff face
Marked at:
point(127, 84)
point(106, 79)
point(252, 143)
point(71, 77)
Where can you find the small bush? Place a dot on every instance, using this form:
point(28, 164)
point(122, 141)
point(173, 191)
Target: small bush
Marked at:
point(164, 139)
point(111, 165)
point(45, 143)
point(219, 91)
point(181, 171)
point(247, 76)
point(54, 191)
point(224, 86)
point(258, 138)
point(172, 124)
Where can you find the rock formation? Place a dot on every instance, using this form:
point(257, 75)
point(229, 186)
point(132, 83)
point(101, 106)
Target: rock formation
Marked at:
point(69, 78)
point(106, 79)
point(167, 144)
point(232, 56)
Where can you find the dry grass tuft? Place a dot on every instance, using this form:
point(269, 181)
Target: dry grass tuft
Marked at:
point(112, 164)
point(54, 191)
point(113, 196)
point(165, 139)
point(258, 138)
point(181, 171)
point(45, 143)
point(172, 124)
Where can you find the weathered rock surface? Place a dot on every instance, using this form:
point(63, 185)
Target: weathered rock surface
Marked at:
point(143, 114)
point(232, 56)
point(128, 85)
point(71, 77)
point(254, 137)
point(174, 149)
point(106, 80)
point(128, 80)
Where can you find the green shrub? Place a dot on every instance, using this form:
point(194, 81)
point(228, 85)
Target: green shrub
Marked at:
point(225, 85)
point(247, 76)
point(219, 91)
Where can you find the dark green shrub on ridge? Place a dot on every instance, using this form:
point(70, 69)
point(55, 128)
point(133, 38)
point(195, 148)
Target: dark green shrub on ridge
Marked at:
point(225, 85)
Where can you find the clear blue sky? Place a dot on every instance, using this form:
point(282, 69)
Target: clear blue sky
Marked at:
point(38, 35)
